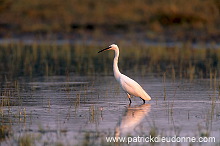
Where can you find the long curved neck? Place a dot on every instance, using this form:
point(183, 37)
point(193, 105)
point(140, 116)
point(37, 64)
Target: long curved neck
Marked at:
point(115, 65)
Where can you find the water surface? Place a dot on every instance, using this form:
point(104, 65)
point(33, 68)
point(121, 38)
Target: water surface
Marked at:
point(80, 110)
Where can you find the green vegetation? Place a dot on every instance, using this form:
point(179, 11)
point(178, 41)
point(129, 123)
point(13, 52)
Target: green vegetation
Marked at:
point(20, 59)
point(179, 17)
point(4, 132)
point(25, 140)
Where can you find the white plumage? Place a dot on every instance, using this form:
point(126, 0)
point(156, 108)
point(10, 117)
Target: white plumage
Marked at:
point(133, 88)
point(130, 86)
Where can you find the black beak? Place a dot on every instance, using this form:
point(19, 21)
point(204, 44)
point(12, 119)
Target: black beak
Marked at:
point(104, 49)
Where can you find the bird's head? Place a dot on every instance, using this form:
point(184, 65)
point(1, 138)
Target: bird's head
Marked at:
point(111, 47)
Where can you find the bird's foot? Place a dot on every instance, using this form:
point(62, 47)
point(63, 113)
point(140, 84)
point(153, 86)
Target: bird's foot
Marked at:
point(143, 101)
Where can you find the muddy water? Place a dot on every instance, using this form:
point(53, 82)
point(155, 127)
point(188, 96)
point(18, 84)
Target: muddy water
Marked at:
point(80, 110)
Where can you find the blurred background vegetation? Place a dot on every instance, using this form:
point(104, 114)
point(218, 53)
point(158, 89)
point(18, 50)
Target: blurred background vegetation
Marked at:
point(192, 23)
point(20, 59)
point(180, 19)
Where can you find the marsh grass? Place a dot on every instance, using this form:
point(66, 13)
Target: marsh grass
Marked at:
point(4, 132)
point(77, 101)
point(26, 140)
point(164, 86)
point(19, 59)
point(95, 113)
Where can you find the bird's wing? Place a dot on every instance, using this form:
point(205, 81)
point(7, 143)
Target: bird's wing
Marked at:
point(128, 84)
point(133, 87)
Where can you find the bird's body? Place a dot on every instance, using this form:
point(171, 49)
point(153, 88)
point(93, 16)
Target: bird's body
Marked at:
point(133, 88)
point(130, 86)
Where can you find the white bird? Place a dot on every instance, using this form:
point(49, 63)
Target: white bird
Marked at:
point(130, 86)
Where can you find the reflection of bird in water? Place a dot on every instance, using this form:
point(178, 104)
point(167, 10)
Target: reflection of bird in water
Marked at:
point(128, 85)
point(133, 116)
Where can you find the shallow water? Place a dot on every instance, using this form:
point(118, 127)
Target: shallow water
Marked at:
point(80, 110)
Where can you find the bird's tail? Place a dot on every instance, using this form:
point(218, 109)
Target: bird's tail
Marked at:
point(146, 97)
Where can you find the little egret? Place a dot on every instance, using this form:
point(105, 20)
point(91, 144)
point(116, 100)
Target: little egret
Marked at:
point(130, 86)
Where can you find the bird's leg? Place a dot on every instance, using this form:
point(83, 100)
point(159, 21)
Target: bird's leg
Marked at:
point(129, 102)
point(143, 100)
point(129, 97)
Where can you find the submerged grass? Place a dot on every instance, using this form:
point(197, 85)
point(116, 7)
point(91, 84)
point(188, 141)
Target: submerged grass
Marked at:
point(25, 140)
point(19, 59)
